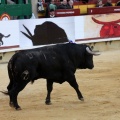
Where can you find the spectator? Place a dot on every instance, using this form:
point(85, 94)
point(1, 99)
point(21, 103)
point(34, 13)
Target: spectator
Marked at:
point(52, 13)
point(52, 5)
point(40, 7)
point(99, 3)
point(108, 3)
point(50, 10)
point(64, 5)
point(118, 3)
point(70, 2)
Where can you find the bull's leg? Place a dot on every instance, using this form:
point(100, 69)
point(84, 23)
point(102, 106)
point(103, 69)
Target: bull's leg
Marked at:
point(19, 87)
point(73, 83)
point(9, 87)
point(49, 90)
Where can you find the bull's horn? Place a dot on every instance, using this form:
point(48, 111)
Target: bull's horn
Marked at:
point(92, 52)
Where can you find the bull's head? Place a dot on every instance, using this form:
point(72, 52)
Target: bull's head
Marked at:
point(88, 62)
point(109, 29)
point(92, 52)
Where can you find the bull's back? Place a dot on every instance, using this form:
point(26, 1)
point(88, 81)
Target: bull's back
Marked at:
point(47, 61)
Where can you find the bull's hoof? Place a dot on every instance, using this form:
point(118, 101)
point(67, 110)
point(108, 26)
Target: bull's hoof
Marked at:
point(11, 104)
point(47, 102)
point(18, 108)
point(82, 99)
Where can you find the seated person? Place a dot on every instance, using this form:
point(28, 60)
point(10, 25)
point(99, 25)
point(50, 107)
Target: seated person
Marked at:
point(99, 3)
point(52, 5)
point(50, 9)
point(64, 5)
point(70, 2)
point(40, 7)
point(118, 3)
point(108, 3)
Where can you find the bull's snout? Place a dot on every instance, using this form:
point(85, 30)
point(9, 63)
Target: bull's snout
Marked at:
point(91, 67)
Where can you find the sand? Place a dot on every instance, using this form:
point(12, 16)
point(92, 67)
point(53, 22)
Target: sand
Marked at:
point(100, 88)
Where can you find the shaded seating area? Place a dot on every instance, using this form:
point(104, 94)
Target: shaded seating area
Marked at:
point(83, 6)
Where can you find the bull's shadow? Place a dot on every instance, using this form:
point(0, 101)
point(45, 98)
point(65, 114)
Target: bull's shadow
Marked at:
point(46, 33)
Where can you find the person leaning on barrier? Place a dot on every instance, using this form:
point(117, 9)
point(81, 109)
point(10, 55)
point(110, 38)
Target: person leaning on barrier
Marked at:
point(51, 13)
point(108, 3)
point(99, 3)
point(118, 3)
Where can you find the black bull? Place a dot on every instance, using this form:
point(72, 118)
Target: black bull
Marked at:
point(56, 63)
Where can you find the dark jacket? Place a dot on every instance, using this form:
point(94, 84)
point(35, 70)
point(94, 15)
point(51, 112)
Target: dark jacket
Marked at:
point(107, 4)
point(62, 6)
point(118, 3)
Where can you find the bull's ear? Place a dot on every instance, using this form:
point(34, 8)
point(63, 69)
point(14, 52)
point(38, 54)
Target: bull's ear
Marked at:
point(92, 52)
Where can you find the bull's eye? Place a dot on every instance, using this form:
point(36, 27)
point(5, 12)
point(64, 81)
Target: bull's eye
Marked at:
point(106, 27)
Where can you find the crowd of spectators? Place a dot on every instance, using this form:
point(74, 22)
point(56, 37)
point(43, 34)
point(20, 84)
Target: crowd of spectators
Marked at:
point(52, 6)
point(68, 4)
point(107, 4)
point(65, 5)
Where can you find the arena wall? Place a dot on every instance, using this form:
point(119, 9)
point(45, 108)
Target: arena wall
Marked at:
point(97, 46)
point(76, 29)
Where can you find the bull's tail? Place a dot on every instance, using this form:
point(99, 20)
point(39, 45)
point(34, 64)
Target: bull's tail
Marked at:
point(10, 74)
point(10, 68)
point(5, 92)
point(10, 92)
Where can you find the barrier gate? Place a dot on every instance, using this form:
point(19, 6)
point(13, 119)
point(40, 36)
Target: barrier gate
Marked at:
point(20, 10)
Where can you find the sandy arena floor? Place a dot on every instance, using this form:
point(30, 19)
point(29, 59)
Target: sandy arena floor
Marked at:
point(100, 88)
